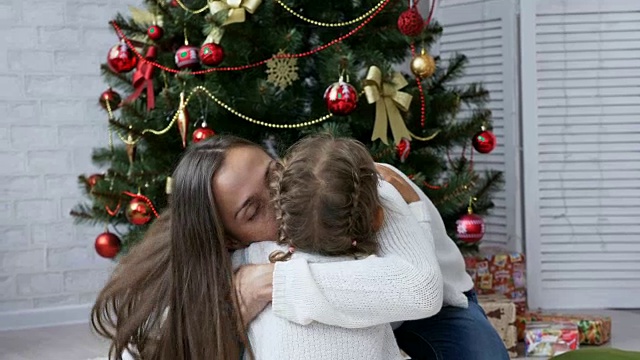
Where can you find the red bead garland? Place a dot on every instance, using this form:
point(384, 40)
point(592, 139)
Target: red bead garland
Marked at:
point(261, 62)
point(419, 83)
point(145, 199)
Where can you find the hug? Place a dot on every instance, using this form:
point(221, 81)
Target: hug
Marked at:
point(322, 254)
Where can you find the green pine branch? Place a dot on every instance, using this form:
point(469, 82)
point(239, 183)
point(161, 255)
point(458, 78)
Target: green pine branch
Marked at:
point(116, 80)
point(454, 70)
point(249, 92)
point(473, 94)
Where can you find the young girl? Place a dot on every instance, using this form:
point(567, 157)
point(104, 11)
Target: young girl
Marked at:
point(329, 206)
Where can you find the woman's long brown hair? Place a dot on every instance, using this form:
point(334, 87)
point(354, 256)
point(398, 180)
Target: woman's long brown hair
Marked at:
point(171, 297)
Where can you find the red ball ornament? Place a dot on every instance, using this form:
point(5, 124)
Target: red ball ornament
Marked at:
point(470, 228)
point(138, 212)
point(155, 32)
point(202, 133)
point(403, 149)
point(410, 22)
point(93, 180)
point(107, 245)
point(341, 98)
point(484, 141)
point(211, 54)
point(173, 3)
point(187, 56)
point(121, 59)
point(111, 97)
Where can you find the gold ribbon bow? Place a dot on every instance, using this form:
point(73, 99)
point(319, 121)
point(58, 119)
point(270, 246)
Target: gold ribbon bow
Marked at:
point(145, 18)
point(237, 9)
point(389, 101)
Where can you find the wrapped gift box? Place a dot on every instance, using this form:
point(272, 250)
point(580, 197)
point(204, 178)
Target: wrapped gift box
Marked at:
point(500, 273)
point(550, 338)
point(502, 315)
point(594, 330)
point(522, 320)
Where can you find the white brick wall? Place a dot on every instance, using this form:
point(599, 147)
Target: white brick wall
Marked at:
point(50, 51)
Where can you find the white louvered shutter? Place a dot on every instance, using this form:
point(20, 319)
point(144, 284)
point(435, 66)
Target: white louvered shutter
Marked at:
point(485, 31)
point(582, 162)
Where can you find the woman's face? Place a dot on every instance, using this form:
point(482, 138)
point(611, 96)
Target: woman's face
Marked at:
point(241, 188)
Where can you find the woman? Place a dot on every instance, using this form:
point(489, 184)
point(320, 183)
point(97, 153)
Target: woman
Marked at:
point(458, 331)
point(240, 213)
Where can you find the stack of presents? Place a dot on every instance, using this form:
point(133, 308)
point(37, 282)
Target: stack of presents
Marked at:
point(500, 280)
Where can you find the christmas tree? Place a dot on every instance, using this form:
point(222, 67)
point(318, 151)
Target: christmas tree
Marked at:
point(272, 72)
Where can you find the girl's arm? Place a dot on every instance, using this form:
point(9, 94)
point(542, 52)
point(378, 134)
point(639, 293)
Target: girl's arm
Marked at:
point(403, 283)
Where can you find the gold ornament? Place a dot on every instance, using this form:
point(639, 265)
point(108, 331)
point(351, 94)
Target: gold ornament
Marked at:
point(282, 71)
point(389, 101)
point(423, 65)
point(183, 120)
point(131, 147)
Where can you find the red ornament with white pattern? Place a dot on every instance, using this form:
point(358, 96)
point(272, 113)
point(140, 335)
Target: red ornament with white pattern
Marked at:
point(410, 22)
point(403, 149)
point(155, 32)
point(121, 59)
point(470, 227)
point(484, 141)
point(107, 245)
point(187, 56)
point(211, 54)
point(202, 133)
point(341, 98)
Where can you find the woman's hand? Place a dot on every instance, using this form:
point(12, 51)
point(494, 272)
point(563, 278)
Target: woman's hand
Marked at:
point(404, 188)
point(254, 288)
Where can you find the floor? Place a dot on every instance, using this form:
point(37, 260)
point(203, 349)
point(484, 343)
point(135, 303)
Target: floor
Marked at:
point(77, 342)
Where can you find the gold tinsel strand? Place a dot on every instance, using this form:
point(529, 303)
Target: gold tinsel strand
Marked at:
point(324, 24)
point(300, 16)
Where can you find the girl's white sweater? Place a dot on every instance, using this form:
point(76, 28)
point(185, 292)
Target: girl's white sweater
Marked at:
point(341, 308)
point(396, 286)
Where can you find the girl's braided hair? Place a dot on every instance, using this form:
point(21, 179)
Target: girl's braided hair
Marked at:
point(325, 193)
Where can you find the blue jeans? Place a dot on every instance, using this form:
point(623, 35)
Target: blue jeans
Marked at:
point(453, 334)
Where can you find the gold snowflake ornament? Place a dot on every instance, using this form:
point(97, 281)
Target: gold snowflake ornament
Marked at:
point(282, 71)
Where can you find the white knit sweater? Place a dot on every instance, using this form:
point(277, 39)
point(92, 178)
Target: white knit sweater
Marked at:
point(396, 286)
point(274, 337)
point(455, 277)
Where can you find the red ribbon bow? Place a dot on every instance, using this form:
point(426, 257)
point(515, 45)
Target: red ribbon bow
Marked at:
point(143, 78)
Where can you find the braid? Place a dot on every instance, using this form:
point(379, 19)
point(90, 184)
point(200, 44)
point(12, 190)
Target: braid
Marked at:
point(355, 197)
point(325, 198)
point(276, 196)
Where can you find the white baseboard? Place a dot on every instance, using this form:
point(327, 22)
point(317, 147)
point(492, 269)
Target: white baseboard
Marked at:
point(26, 319)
